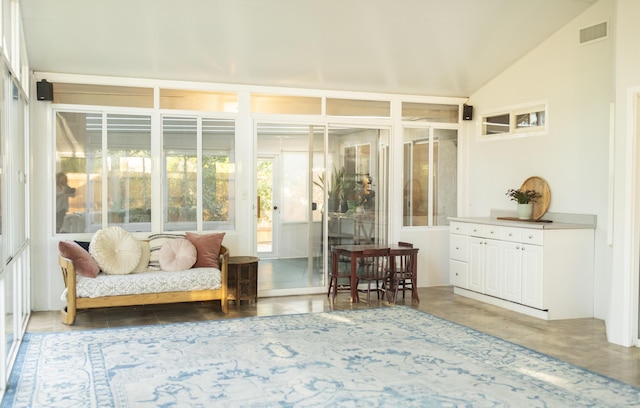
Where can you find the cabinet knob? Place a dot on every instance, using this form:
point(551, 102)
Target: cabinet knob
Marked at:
point(530, 236)
point(522, 249)
point(457, 248)
point(510, 234)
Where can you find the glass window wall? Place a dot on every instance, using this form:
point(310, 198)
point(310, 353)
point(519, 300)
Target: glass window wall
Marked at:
point(200, 182)
point(430, 159)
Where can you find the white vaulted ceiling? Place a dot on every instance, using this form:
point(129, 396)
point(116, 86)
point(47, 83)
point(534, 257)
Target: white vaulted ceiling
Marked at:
point(426, 47)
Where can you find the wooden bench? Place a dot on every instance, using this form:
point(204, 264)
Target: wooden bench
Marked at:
point(68, 313)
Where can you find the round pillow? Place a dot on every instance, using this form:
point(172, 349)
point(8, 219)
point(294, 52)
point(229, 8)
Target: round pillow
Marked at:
point(177, 255)
point(116, 250)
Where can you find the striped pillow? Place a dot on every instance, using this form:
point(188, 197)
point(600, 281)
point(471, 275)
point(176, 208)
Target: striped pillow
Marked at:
point(156, 241)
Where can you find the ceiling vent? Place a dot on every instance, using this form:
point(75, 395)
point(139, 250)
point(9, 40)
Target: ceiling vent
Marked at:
point(593, 33)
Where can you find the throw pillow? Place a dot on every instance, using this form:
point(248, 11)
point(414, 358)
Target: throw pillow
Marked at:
point(177, 255)
point(116, 250)
point(156, 241)
point(208, 247)
point(145, 254)
point(83, 261)
point(83, 244)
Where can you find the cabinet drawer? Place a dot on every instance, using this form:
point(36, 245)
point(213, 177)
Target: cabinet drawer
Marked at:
point(459, 274)
point(531, 236)
point(476, 230)
point(459, 247)
point(511, 234)
point(460, 228)
point(492, 231)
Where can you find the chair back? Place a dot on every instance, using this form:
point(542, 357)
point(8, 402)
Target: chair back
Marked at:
point(375, 263)
point(402, 262)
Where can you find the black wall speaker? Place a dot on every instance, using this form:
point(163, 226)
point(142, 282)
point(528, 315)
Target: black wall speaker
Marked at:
point(467, 112)
point(44, 90)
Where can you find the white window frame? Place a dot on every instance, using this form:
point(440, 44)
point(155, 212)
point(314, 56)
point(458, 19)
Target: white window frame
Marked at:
point(513, 129)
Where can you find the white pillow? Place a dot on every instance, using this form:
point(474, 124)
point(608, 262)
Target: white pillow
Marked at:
point(145, 254)
point(177, 255)
point(116, 250)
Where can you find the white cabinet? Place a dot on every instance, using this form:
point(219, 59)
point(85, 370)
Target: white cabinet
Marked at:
point(492, 267)
point(484, 265)
point(459, 255)
point(512, 267)
point(484, 259)
point(522, 274)
point(544, 272)
point(532, 276)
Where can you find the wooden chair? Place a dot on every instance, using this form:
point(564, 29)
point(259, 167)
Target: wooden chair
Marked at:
point(401, 278)
point(340, 280)
point(373, 268)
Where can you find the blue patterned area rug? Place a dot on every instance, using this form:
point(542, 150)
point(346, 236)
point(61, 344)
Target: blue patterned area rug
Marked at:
point(392, 357)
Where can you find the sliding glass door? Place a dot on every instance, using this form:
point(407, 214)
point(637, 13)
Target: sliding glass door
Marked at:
point(358, 171)
point(309, 200)
point(288, 226)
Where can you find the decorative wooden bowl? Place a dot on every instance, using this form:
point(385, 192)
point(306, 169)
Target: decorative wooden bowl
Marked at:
point(540, 185)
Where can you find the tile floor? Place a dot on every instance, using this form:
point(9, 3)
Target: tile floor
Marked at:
point(579, 341)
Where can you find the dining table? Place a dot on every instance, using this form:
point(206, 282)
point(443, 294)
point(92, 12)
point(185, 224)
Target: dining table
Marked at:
point(356, 251)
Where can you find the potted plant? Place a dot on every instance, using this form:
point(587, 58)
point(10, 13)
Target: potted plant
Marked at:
point(525, 200)
point(334, 190)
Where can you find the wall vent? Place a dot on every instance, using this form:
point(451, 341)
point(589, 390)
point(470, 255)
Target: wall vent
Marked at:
point(593, 33)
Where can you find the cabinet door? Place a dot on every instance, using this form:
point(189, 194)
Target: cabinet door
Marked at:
point(459, 273)
point(492, 268)
point(512, 271)
point(476, 264)
point(532, 276)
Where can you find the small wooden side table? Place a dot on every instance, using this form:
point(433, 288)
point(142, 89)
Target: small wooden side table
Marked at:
point(243, 279)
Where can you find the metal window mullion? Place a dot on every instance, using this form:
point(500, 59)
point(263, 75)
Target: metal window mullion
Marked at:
point(409, 203)
point(430, 181)
point(199, 181)
point(105, 178)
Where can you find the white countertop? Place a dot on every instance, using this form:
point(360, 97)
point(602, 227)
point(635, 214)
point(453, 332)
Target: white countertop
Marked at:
point(558, 221)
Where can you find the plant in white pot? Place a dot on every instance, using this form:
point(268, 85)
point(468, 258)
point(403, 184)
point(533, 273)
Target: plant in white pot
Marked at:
point(525, 200)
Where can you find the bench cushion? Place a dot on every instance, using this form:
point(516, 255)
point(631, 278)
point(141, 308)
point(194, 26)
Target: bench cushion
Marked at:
point(149, 282)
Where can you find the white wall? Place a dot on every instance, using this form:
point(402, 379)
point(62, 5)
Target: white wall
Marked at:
point(577, 83)
point(622, 290)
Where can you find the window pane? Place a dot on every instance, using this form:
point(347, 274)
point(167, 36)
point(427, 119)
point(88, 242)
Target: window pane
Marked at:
point(429, 112)
point(78, 172)
point(445, 163)
point(129, 171)
point(218, 174)
point(198, 100)
point(357, 176)
point(356, 107)
point(181, 169)
point(104, 95)
point(283, 104)
point(416, 177)
point(295, 192)
point(530, 120)
point(496, 124)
